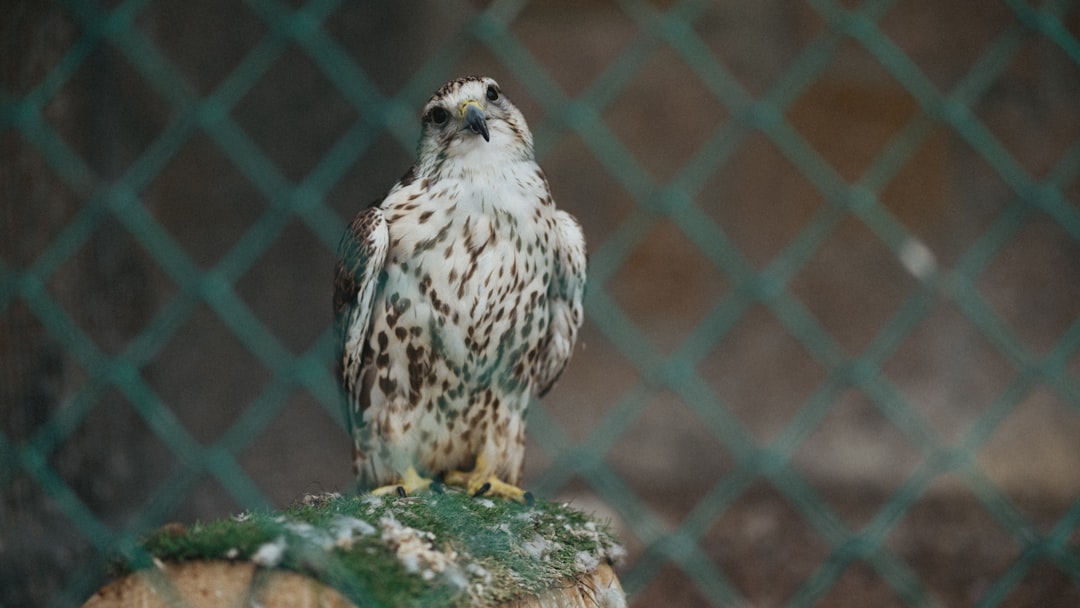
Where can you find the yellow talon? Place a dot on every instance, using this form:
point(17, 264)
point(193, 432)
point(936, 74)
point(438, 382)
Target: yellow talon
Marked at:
point(480, 483)
point(411, 483)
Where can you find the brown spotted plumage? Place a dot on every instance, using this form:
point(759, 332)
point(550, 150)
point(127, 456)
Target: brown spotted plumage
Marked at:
point(457, 298)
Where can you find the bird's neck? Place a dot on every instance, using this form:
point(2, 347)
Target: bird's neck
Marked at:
point(478, 169)
point(474, 158)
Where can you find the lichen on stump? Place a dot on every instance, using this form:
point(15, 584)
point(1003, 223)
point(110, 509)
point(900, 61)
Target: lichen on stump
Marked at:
point(434, 549)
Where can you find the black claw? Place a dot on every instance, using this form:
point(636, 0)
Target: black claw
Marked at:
point(483, 489)
point(530, 499)
point(401, 491)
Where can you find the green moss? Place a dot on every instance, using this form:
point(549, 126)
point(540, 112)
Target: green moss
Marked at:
point(435, 549)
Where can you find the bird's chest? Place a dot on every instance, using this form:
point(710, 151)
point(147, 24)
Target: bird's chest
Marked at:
point(470, 290)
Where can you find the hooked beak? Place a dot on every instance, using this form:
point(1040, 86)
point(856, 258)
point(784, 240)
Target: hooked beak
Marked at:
point(472, 119)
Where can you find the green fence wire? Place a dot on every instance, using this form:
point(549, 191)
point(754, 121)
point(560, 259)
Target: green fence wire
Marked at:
point(671, 29)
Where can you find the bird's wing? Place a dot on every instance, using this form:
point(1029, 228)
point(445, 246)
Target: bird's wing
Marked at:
point(566, 293)
point(361, 256)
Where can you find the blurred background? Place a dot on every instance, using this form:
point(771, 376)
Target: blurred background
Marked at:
point(831, 347)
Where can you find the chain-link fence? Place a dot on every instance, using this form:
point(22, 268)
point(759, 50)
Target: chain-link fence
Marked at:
point(834, 300)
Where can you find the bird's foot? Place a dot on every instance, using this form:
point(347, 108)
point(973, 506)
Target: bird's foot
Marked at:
point(480, 483)
point(410, 484)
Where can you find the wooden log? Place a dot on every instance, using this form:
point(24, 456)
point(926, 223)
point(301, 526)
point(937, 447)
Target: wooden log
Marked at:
point(222, 584)
point(210, 584)
point(330, 551)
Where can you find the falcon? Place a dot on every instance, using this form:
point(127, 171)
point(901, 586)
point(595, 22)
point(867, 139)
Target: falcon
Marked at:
point(456, 298)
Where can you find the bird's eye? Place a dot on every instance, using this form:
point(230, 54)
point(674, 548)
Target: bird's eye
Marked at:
point(438, 115)
point(492, 93)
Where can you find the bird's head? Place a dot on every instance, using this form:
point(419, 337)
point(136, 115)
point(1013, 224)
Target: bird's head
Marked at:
point(470, 120)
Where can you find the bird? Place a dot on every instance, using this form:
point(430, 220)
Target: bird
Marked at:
point(457, 298)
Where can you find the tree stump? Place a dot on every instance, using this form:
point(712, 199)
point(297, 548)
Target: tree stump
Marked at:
point(220, 584)
point(334, 552)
